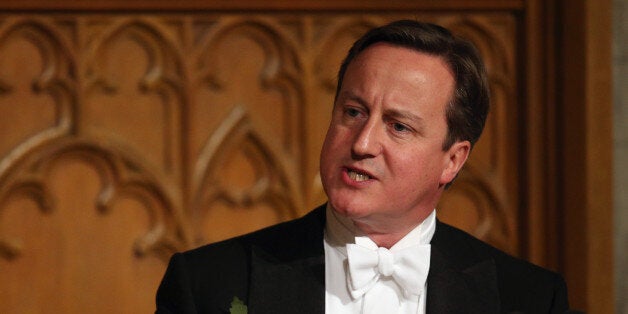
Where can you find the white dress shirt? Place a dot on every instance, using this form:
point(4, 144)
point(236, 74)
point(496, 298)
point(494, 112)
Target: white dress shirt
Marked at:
point(338, 232)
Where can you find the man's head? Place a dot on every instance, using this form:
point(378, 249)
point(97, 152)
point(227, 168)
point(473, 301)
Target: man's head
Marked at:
point(468, 108)
point(392, 145)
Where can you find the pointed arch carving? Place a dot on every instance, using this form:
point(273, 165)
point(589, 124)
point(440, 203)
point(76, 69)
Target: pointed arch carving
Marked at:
point(278, 73)
point(486, 213)
point(272, 182)
point(165, 70)
point(58, 75)
point(56, 79)
point(282, 62)
point(340, 30)
point(164, 76)
point(120, 174)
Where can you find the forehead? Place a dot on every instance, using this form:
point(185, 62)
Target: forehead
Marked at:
point(393, 73)
point(408, 58)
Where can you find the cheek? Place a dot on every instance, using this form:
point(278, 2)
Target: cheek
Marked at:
point(330, 153)
point(335, 139)
point(416, 167)
point(327, 146)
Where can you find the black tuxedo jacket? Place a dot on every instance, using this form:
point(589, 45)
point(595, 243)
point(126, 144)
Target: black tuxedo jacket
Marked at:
point(281, 269)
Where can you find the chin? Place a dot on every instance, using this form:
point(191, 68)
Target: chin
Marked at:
point(348, 208)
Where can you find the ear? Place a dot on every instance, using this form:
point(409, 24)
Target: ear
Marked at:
point(455, 157)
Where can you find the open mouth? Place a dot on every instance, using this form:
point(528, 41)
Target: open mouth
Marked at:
point(357, 176)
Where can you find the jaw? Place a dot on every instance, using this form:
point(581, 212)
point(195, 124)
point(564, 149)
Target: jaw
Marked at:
point(369, 209)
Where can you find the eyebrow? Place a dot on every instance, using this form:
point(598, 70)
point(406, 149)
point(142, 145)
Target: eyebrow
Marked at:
point(403, 115)
point(353, 97)
point(394, 113)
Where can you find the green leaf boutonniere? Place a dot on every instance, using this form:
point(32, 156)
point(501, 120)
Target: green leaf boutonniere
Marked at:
point(237, 307)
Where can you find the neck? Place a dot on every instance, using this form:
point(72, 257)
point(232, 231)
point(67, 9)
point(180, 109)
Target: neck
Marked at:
point(386, 240)
point(388, 234)
point(383, 231)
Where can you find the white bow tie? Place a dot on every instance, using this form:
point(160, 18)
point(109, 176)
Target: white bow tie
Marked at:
point(408, 267)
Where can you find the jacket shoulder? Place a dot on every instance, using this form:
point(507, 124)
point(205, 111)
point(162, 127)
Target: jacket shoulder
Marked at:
point(520, 283)
point(208, 277)
point(283, 239)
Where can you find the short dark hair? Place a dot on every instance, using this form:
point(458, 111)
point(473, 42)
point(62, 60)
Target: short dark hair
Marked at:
point(467, 110)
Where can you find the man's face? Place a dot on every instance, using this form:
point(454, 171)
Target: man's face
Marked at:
point(382, 163)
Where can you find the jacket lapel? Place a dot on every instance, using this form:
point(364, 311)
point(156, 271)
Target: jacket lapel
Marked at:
point(292, 280)
point(296, 287)
point(458, 283)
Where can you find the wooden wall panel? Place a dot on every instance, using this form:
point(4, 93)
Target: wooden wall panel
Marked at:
point(128, 135)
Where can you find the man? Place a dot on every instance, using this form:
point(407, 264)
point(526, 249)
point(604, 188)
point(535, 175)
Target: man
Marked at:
point(410, 103)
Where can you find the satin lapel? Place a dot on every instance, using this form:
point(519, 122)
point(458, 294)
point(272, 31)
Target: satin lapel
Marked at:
point(289, 277)
point(296, 287)
point(454, 285)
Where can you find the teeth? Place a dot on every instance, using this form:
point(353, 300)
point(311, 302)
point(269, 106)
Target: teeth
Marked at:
point(357, 176)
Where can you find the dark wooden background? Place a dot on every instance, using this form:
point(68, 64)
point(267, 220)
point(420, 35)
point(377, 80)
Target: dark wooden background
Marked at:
point(130, 130)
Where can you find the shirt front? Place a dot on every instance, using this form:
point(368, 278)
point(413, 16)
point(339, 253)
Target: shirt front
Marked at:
point(339, 231)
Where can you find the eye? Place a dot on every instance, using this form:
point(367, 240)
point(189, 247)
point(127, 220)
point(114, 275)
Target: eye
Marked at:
point(398, 127)
point(352, 112)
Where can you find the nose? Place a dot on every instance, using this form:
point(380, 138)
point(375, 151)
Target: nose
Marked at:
point(367, 143)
